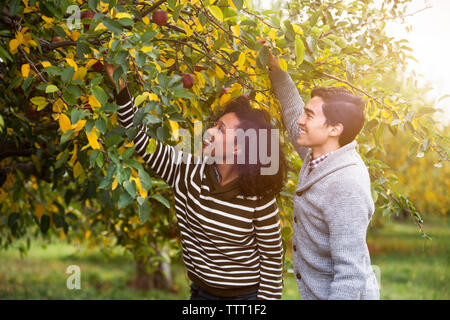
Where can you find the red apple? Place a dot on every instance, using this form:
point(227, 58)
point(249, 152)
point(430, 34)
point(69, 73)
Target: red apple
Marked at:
point(98, 66)
point(246, 96)
point(188, 80)
point(88, 14)
point(159, 17)
point(57, 38)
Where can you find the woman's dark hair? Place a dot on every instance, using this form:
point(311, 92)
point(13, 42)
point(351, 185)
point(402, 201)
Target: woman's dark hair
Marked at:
point(252, 182)
point(341, 106)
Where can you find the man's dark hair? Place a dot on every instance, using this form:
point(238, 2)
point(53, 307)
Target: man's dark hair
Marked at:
point(342, 106)
point(252, 182)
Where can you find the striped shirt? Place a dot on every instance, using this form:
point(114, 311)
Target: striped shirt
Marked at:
point(231, 244)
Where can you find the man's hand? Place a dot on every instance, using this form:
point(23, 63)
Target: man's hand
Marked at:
point(274, 64)
point(110, 71)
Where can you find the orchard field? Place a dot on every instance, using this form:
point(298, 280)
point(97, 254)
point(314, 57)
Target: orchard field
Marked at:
point(73, 192)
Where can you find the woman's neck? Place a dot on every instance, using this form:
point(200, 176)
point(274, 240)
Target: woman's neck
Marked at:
point(227, 173)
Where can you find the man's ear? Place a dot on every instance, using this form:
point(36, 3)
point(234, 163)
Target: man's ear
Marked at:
point(336, 130)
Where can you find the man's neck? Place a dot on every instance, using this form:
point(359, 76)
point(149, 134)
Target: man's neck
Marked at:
point(319, 151)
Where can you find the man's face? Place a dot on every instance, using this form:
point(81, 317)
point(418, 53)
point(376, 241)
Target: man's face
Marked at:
point(314, 130)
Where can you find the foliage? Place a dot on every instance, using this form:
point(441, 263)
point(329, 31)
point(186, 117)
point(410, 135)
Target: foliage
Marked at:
point(68, 167)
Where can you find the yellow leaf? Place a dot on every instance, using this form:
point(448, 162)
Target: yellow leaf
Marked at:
point(79, 125)
point(75, 35)
point(79, 74)
point(74, 156)
point(236, 30)
point(91, 62)
point(25, 70)
point(283, 64)
point(216, 12)
point(187, 29)
point(13, 45)
point(72, 63)
point(94, 102)
point(231, 4)
point(92, 138)
point(47, 19)
point(39, 210)
point(115, 184)
point(100, 26)
point(121, 15)
point(174, 127)
point(87, 234)
point(146, 20)
point(241, 61)
point(219, 72)
point(46, 64)
point(224, 99)
point(170, 62)
point(77, 169)
point(146, 48)
point(153, 97)
point(64, 122)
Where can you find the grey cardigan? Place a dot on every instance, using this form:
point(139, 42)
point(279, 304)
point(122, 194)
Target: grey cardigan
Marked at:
point(332, 209)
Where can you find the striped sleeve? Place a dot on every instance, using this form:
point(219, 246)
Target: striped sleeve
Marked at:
point(268, 237)
point(166, 159)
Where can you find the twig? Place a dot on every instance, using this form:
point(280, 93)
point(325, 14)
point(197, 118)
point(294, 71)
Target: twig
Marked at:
point(259, 18)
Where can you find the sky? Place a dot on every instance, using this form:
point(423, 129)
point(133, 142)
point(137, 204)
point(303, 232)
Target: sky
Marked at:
point(430, 41)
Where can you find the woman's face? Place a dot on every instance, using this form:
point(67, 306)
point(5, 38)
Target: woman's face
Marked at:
point(219, 141)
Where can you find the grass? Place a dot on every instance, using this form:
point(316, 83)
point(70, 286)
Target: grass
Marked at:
point(411, 268)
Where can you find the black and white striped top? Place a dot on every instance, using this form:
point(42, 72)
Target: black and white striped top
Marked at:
point(231, 244)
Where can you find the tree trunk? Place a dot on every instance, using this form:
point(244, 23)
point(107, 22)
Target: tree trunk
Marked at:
point(160, 279)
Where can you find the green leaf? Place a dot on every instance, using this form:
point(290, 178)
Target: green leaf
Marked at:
point(263, 56)
point(41, 102)
point(299, 50)
point(150, 119)
point(182, 93)
point(124, 200)
point(130, 187)
point(100, 95)
point(128, 153)
point(112, 25)
point(238, 4)
point(144, 211)
point(100, 124)
point(67, 74)
point(113, 140)
point(161, 199)
point(66, 136)
point(82, 49)
point(13, 6)
point(146, 181)
point(74, 90)
point(216, 12)
point(45, 223)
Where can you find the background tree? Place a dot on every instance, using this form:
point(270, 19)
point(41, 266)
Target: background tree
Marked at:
point(67, 167)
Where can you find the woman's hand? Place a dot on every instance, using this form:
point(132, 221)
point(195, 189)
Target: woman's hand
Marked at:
point(274, 64)
point(110, 71)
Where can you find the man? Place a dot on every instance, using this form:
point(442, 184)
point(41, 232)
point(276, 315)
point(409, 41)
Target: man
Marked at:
point(333, 204)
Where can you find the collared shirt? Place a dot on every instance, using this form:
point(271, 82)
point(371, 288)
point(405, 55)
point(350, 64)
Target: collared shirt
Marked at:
point(315, 162)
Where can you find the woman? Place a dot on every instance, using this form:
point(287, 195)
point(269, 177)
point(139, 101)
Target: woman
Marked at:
point(226, 213)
